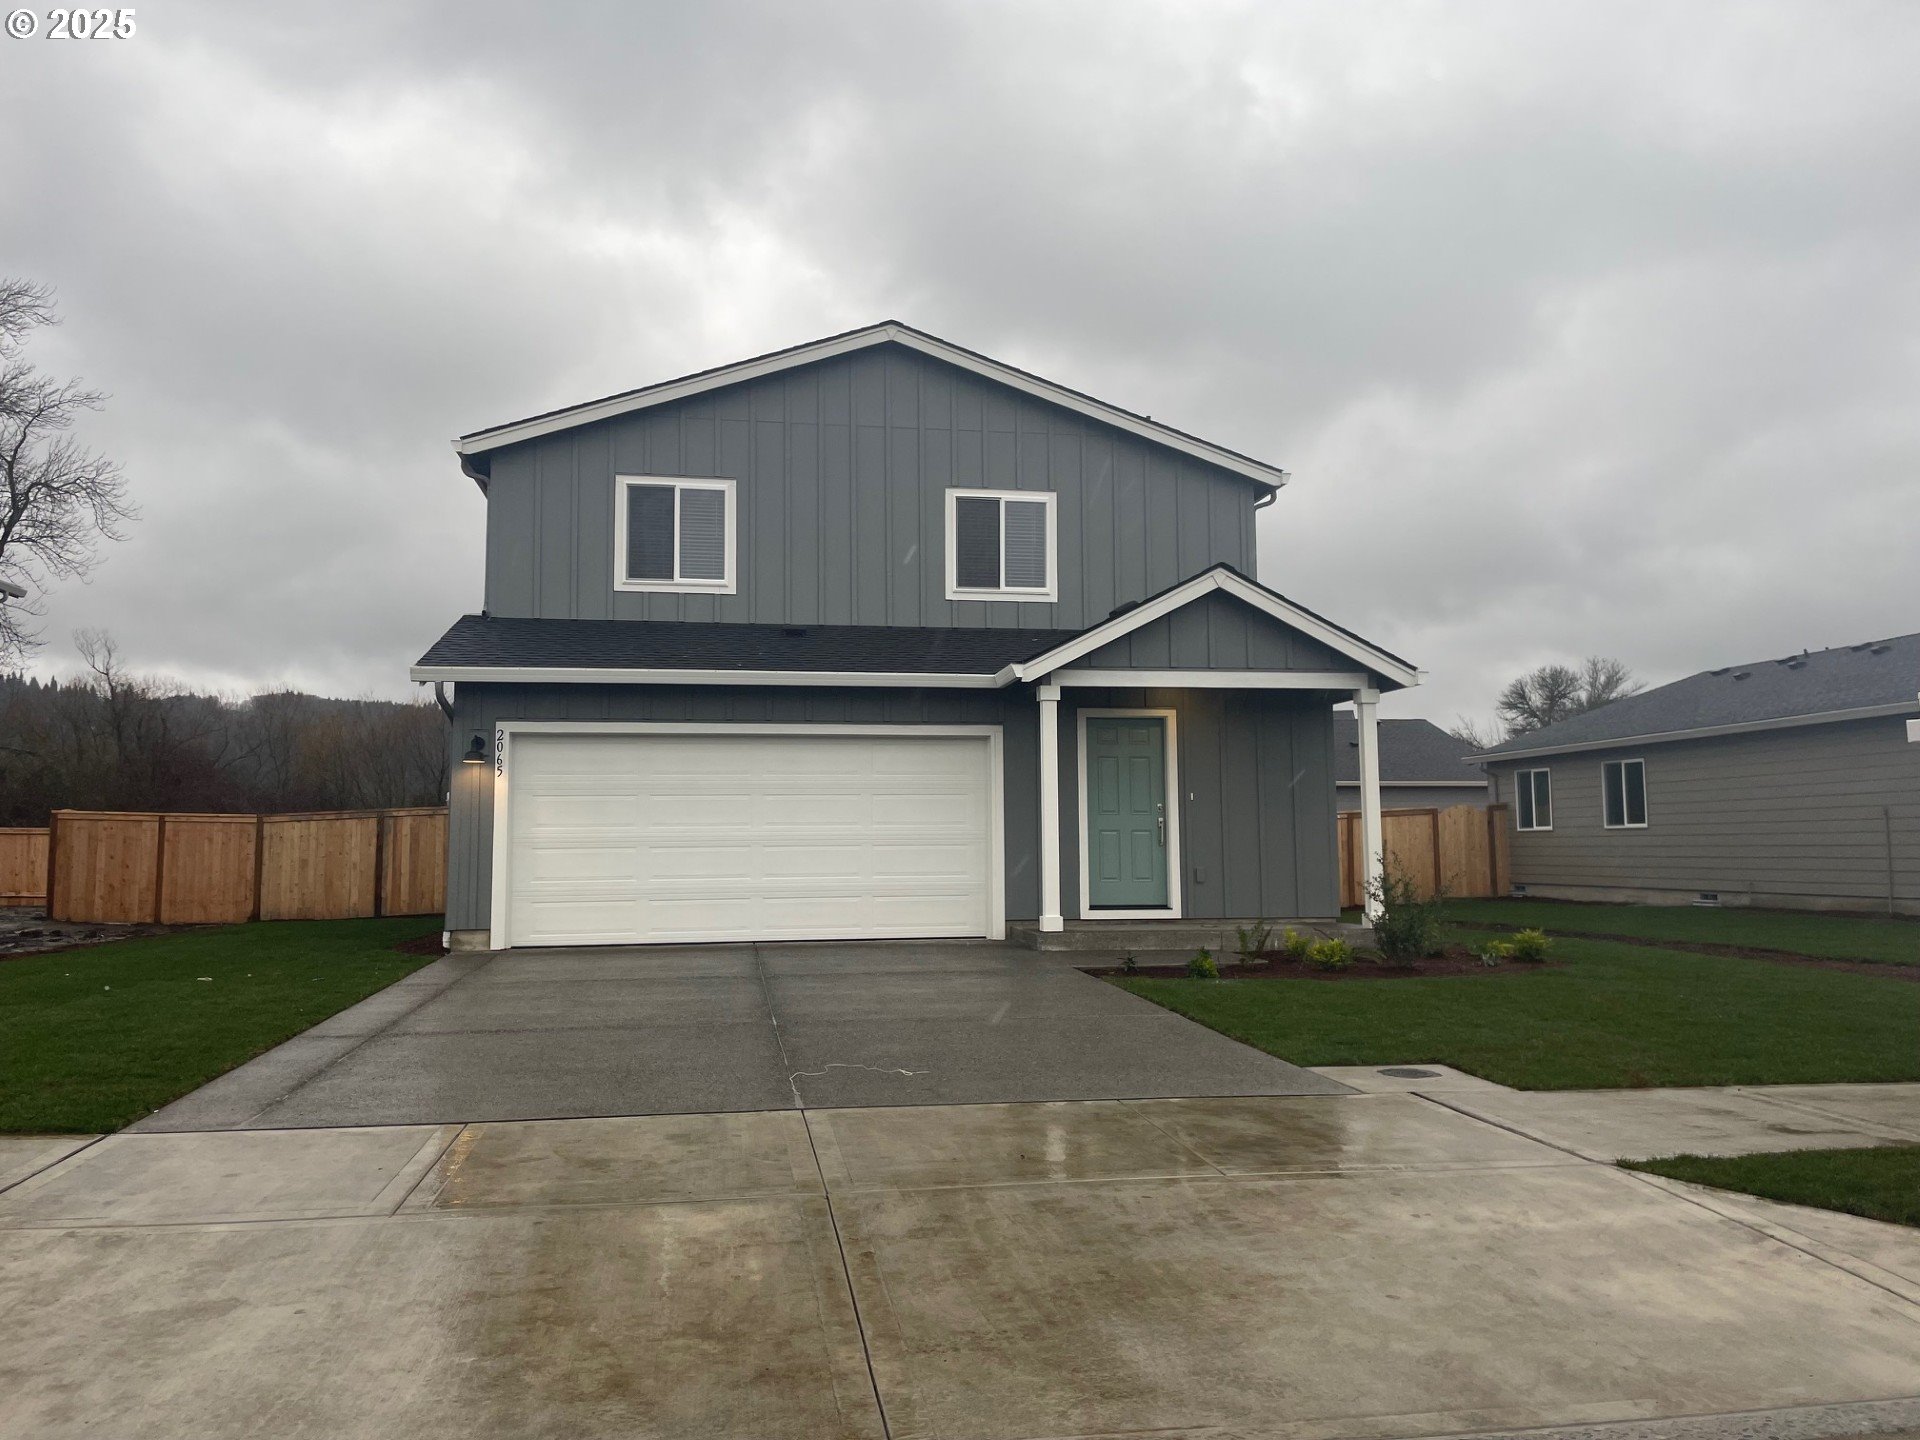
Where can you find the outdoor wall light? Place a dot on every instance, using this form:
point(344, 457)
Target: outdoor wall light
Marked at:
point(476, 750)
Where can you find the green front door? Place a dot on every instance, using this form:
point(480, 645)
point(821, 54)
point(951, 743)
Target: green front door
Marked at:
point(1126, 813)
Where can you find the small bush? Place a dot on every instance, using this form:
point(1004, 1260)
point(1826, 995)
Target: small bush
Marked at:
point(1406, 927)
point(1495, 952)
point(1532, 946)
point(1253, 942)
point(1333, 954)
point(1294, 945)
point(1201, 967)
point(1130, 966)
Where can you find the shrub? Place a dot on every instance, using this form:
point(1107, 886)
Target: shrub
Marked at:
point(1201, 967)
point(1531, 946)
point(1495, 952)
point(1253, 942)
point(1406, 926)
point(1294, 945)
point(1332, 954)
point(1130, 966)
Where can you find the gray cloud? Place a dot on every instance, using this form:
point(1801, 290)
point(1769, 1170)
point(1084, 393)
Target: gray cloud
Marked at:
point(1583, 328)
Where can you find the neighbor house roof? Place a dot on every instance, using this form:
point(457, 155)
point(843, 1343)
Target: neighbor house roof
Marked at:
point(1412, 752)
point(514, 649)
point(1849, 682)
point(471, 447)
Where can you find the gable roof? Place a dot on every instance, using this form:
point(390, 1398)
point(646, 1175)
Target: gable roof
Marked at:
point(1848, 682)
point(1390, 668)
point(520, 649)
point(1412, 752)
point(473, 447)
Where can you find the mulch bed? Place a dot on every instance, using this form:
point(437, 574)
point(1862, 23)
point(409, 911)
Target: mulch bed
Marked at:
point(424, 945)
point(1455, 960)
point(1885, 969)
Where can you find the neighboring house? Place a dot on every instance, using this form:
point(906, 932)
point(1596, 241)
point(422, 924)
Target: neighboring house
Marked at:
point(1422, 767)
point(1784, 782)
point(879, 637)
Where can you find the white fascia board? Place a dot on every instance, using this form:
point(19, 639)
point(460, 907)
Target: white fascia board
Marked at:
point(1705, 732)
point(1241, 589)
point(563, 675)
point(510, 434)
point(1213, 679)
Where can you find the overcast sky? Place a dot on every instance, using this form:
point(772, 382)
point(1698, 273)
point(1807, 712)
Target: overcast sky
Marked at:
point(1582, 328)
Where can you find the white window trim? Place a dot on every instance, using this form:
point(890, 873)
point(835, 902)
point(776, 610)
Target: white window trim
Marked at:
point(499, 921)
point(1646, 808)
point(1044, 596)
point(1528, 775)
point(622, 484)
point(1170, 772)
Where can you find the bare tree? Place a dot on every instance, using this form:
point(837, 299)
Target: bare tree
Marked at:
point(1553, 693)
point(1477, 734)
point(57, 498)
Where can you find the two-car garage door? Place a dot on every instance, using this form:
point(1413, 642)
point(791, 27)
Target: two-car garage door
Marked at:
point(637, 838)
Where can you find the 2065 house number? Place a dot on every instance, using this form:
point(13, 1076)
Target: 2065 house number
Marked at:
point(73, 24)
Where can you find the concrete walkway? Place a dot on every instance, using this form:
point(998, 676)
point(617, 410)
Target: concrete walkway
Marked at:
point(1366, 1264)
point(538, 1034)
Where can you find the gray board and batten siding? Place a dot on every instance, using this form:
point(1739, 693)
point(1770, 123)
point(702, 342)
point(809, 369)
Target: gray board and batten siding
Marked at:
point(1813, 816)
point(841, 469)
point(1256, 779)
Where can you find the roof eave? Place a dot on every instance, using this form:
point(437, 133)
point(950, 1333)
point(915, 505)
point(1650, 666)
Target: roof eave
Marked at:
point(1703, 732)
point(479, 442)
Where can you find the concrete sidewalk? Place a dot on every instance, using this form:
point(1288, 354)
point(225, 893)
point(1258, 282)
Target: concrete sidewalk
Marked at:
point(1376, 1265)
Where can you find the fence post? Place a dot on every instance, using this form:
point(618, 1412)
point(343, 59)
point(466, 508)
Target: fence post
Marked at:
point(53, 850)
point(159, 864)
point(259, 859)
point(380, 820)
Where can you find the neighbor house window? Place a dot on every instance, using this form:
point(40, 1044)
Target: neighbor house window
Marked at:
point(1000, 545)
point(1623, 794)
point(674, 535)
point(1533, 799)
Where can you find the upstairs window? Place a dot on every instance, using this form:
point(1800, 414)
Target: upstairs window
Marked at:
point(1000, 545)
point(1533, 800)
point(674, 535)
point(1623, 794)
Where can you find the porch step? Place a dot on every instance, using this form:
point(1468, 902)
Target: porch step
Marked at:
point(1140, 936)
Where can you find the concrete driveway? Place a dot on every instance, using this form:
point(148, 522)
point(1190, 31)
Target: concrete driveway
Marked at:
point(555, 1033)
point(1377, 1265)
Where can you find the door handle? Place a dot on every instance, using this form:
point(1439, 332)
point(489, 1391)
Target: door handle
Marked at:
point(1160, 820)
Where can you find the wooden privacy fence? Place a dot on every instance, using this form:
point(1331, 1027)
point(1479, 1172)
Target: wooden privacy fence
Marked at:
point(1461, 850)
point(209, 869)
point(23, 867)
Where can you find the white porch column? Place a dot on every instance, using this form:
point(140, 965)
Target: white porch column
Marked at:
point(1050, 808)
point(1366, 705)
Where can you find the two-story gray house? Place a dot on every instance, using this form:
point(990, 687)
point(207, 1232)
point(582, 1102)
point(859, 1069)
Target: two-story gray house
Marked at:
point(879, 637)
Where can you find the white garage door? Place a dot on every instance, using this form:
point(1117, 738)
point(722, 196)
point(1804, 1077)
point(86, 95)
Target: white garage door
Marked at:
point(645, 838)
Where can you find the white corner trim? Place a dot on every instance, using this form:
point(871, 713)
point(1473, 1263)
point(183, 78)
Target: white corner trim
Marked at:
point(584, 675)
point(515, 431)
point(1047, 595)
point(1212, 679)
point(1705, 732)
point(1050, 917)
point(1241, 589)
point(1176, 814)
point(498, 920)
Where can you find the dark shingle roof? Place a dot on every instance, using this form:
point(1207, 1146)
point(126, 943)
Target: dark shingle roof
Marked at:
point(1412, 752)
point(1818, 682)
point(477, 640)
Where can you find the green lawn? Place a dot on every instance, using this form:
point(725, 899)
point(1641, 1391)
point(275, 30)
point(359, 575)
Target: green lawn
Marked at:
point(1842, 937)
point(1611, 1015)
point(1882, 1183)
point(94, 1039)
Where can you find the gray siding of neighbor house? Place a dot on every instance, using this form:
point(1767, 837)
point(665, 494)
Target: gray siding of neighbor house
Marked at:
point(1419, 797)
point(1794, 817)
point(841, 469)
point(1256, 772)
point(1216, 632)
